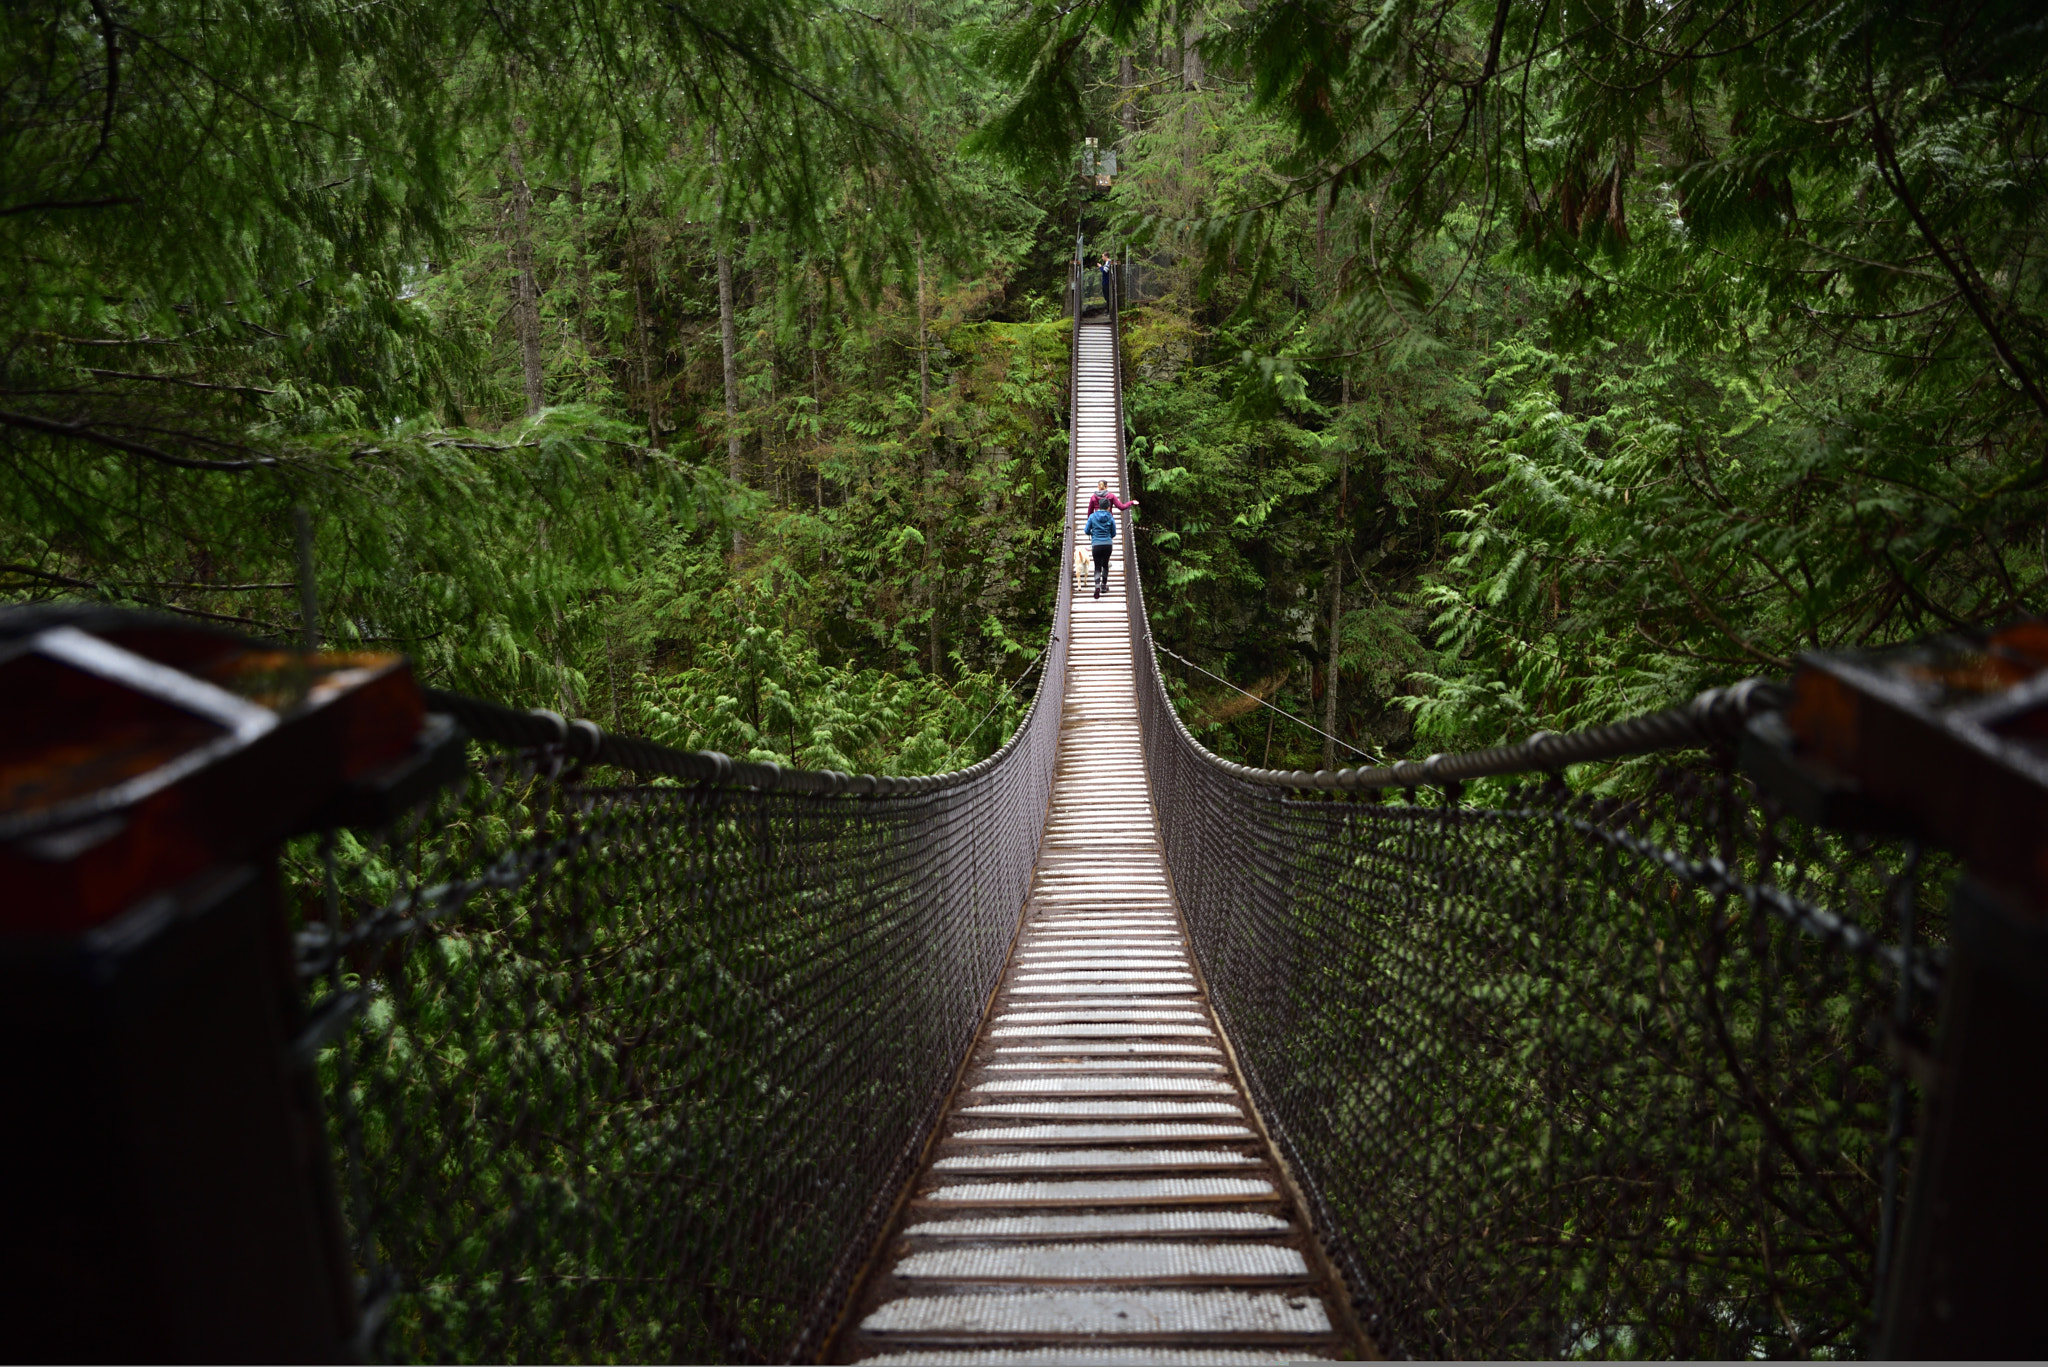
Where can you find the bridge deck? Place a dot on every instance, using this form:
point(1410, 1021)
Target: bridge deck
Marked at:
point(1099, 1192)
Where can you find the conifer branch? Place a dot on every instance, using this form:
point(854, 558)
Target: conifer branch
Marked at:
point(55, 578)
point(67, 581)
point(46, 205)
point(177, 380)
point(1895, 179)
point(81, 432)
point(1720, 624)
point(112, 39)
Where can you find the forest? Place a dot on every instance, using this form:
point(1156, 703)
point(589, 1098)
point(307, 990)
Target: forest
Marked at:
point(700, 369)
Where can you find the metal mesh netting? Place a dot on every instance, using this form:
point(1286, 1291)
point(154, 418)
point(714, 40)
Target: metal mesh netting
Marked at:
point(1566, 1077)
point(636, 1070)
point(641, 1068)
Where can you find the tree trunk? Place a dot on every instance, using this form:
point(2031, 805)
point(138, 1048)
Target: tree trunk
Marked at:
point(525, 289)
point(1337, 597)
point(768, 444)
point(772, 453)
point(817, 412)
point(924, 370)
point(646, 362)
point(728, 336)
point(637, 266)
point(1127, 98)
point(565, 692)
point(586, 312)
point(611, 673)
point(729, 343)
point(924, 411)
point(1330, 673)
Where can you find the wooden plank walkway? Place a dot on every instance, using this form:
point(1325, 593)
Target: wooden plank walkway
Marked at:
point(1100, 1192)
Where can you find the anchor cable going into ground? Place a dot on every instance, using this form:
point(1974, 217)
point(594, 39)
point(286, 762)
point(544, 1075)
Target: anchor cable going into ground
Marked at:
point(1263, 703)
point(1008, 689)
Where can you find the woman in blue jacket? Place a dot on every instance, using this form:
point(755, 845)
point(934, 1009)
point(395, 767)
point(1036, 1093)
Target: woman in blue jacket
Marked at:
point(1101, 529)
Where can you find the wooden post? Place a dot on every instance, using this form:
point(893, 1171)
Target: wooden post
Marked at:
point(1942, 740)
point(169, 1192)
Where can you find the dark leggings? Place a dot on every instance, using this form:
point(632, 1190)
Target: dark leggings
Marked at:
point(1102, 565)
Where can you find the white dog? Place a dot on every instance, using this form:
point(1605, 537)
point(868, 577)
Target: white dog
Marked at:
point(1083, 566)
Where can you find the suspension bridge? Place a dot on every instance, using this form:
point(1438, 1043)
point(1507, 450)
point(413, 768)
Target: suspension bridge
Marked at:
point(1103, 1050)
point(1097, 1179)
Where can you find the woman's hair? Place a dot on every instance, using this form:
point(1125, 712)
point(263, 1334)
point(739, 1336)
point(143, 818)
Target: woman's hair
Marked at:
point(1102, 484)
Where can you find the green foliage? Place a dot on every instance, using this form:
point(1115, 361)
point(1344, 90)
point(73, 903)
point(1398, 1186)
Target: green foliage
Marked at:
point(445, 276)
point(1602, 353)
point(790, 707)
point(1714, 334)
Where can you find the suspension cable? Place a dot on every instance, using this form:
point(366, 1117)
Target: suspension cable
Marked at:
point(1007, 690)
point(1376, 759)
